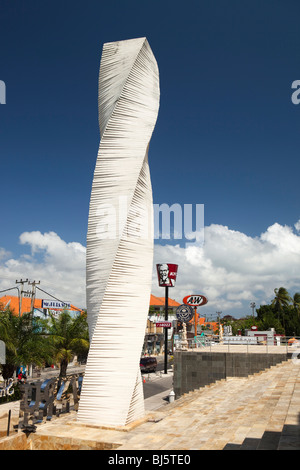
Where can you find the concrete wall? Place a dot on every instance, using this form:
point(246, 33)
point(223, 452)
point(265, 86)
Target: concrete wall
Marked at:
point(14, 407)
point(195, 369)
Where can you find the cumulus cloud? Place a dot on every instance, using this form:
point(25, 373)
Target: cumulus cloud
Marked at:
point(60, 266)
point(231, 268)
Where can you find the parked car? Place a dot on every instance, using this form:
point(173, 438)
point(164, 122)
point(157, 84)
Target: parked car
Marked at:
point(148, 364)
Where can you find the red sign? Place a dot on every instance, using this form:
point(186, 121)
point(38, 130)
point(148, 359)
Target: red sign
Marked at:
point(164, 324)
point(167, 274)
point(195, 300)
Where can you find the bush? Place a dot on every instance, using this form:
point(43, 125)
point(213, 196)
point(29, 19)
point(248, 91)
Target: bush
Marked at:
point(17, 395)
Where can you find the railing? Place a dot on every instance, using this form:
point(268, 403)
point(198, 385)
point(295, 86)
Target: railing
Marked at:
point(282, 344)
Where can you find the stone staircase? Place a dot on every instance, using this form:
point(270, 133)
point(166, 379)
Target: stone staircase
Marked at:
point(259, 412)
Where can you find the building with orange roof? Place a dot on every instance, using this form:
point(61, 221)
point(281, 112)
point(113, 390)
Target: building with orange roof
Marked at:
point(160, 302)
point(154, 336)
point(212, 325)
point(13, 303)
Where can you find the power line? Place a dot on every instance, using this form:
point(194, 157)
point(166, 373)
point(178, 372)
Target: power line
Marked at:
point(33, 293)
point(11, 288)
point(59, 300)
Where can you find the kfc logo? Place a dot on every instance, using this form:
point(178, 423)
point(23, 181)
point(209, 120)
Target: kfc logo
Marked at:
point(167, 274)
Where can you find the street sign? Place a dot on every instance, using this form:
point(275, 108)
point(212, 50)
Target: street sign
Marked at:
point(164, 324)
point(195, 300)
point(55, 304)
point(184, 313)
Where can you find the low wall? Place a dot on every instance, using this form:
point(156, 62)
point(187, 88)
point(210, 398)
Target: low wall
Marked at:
point(14, 408)
point(15, 442)
point(195, 369)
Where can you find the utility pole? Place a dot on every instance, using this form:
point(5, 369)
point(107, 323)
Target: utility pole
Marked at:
point(219, 314)
point(33, 292)
point(21, 294)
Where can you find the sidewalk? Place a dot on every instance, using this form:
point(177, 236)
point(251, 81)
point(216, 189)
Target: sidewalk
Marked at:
point(256, 412)
point(159, 399)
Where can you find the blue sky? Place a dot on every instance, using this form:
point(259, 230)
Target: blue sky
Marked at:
point(227, 135)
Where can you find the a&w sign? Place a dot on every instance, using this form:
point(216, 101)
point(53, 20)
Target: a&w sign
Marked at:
point(195, 300)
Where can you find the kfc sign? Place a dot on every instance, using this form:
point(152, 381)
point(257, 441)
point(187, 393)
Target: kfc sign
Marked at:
point(167, 274)
point(195, 300)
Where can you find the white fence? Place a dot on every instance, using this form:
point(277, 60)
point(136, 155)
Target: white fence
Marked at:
point(274, 344)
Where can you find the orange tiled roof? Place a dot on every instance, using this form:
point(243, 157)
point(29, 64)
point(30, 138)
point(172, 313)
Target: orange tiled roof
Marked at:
point(13, 303)
point(160, 302)
point(201, 321)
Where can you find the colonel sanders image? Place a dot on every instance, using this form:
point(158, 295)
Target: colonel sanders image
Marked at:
point(163, 273)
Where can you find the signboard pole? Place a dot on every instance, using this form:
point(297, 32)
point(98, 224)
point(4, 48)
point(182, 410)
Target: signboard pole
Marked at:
point(166, 329)
point(167, 274)
point(195, 322)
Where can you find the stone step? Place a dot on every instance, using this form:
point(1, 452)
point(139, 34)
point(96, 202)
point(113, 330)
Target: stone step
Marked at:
point(283, 402)
point(256, 408)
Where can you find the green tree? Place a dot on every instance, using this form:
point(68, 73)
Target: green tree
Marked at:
point(25, 341)
point(68, 336)
point(280, 303)
point(267, 318)
point(242, 324)
point(296, 302)
point(282, 299)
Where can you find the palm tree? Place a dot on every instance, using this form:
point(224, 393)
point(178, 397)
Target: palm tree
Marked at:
point(282, 300)
point(68, 336)
point(296, 302)
point(25, 341)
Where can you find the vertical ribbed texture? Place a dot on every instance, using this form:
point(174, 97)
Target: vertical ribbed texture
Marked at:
point(120, 235)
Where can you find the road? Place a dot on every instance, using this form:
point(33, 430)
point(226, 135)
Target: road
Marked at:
point(156, 383)
point(153, 383)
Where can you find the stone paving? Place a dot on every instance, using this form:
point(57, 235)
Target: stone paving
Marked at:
point(256, 412)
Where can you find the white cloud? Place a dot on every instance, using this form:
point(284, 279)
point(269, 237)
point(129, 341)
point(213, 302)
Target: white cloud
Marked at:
point(297, 225)
point(60, 267)
point(231, 268)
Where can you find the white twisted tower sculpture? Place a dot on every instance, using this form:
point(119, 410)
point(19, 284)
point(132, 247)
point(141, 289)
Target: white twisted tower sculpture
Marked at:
point(120, 235)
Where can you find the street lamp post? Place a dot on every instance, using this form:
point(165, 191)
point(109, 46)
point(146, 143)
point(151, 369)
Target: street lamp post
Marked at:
point(253, 305)
point(219, 320)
